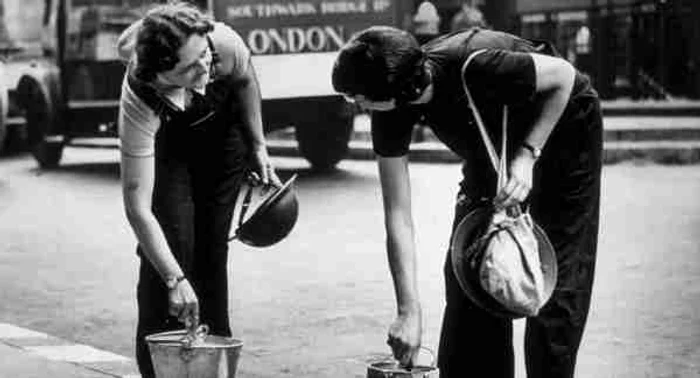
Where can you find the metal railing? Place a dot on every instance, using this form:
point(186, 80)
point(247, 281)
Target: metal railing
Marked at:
point(647, 49)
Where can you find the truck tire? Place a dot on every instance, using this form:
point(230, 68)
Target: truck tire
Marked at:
point(3, 117)
point(4, 108)
point(41, 116)
point(324, 141)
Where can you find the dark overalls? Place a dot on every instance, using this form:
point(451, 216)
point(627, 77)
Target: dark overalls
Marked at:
point(565, 201)
point(199, 165)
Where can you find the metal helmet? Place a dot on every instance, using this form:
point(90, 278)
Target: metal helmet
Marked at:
point(467, 275)
point(272, 220)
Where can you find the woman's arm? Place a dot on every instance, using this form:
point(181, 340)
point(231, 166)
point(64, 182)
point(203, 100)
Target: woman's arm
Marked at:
point(405, 332)
point(235, 60)
point(137, 187)
point(137, 175)
point(137, 128)
point(248, 97)
point(554, 84)
point(555, 81)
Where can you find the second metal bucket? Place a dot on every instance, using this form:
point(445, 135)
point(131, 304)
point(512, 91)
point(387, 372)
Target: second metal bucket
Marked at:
point(212, 357)
point(393, 370)
point(390, 368)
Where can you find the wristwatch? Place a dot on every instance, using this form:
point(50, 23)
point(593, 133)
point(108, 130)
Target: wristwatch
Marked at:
point(536, 152)
point(172, 281)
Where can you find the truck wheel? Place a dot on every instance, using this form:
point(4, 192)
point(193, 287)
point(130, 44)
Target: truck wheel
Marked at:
point(324, 141)
point(41, 119)
point(3, 134)
point(3, 121)
point(4, 106)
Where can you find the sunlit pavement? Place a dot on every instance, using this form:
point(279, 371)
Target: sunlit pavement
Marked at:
point(319, 303)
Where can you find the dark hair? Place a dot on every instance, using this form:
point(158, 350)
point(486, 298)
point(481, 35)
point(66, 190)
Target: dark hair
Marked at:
point(164, 30)
point(381, 63)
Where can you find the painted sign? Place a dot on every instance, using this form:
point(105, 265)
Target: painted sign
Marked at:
point(302, 26)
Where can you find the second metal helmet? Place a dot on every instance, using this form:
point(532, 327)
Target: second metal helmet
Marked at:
point(272, 220)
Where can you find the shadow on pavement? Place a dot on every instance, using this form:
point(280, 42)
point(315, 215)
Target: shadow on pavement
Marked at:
point(110, 171)
point(342, 177)
point(102, 170)
point(6, 155)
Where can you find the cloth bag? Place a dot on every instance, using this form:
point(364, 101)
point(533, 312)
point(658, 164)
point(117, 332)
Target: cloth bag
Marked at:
point(506, 256)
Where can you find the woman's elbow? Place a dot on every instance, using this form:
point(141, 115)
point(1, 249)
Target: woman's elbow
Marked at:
point(136, 216)
point(136, 211)
point(553, 73)
point(398, 223)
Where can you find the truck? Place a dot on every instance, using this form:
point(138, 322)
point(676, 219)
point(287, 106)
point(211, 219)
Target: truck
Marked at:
point(70, 96)
point(19, 44)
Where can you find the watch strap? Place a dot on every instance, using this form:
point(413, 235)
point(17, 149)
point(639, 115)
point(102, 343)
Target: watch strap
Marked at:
point(536, 152)
point(172, 281)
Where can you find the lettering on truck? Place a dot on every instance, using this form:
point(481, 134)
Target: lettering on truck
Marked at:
point(284, 27)
point(300, 37)
point(296, 39)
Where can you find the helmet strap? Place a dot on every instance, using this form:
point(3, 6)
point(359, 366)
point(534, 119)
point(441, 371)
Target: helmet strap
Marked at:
point(247, 196)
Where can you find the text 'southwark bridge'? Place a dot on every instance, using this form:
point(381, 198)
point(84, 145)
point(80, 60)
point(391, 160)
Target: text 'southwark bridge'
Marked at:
point(291, 27)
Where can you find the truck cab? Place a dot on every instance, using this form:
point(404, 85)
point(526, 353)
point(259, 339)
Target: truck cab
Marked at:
point(71, 95)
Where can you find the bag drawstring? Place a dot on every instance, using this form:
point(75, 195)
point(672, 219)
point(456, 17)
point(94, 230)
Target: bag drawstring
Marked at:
point(499, 164)
point(502, 168)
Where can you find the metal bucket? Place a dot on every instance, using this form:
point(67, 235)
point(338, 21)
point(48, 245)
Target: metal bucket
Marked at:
point(176, 355)
point(390, 368)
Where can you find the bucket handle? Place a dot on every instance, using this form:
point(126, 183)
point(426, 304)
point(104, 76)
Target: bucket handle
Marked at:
point(194, 336)
point(433, 358)
point(191, 339)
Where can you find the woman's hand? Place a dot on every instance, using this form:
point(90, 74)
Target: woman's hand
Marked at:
point(262, 167)
point(405, 337)
point(183, 303)
point(519, 182)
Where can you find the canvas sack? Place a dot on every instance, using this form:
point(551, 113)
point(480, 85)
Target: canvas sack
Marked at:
point(506, 255)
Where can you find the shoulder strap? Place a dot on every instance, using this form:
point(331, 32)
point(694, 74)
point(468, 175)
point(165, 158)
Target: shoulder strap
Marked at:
point(215, 58)
point(499, 165)
point(148, 95)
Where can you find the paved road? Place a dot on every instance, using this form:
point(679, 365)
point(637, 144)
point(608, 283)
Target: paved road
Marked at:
point(317, 305)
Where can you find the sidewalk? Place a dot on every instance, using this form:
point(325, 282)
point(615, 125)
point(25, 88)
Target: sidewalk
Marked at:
point(629, 107)
point(29, 354)
point(660, 139)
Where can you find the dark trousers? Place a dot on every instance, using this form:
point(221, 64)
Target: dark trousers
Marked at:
point(198, 173)
point(200, 161)
point(565, 202)
point(197, 233)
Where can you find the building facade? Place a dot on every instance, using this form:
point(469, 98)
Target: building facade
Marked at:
point(630, 48)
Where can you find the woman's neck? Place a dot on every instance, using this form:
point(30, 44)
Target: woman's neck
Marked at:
point(429, 90)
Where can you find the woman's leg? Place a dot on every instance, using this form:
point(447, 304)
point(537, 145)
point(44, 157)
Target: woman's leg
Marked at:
point(473, 343)
point(566, 205)
point(172, 206)
point(553, 337)
point(217, 174)
point(210, 273)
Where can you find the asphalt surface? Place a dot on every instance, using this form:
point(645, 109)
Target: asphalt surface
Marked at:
point(318, 304)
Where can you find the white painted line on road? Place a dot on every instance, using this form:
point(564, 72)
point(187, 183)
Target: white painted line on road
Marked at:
point(76, 353)
point(9, 331)
point(66, 352)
